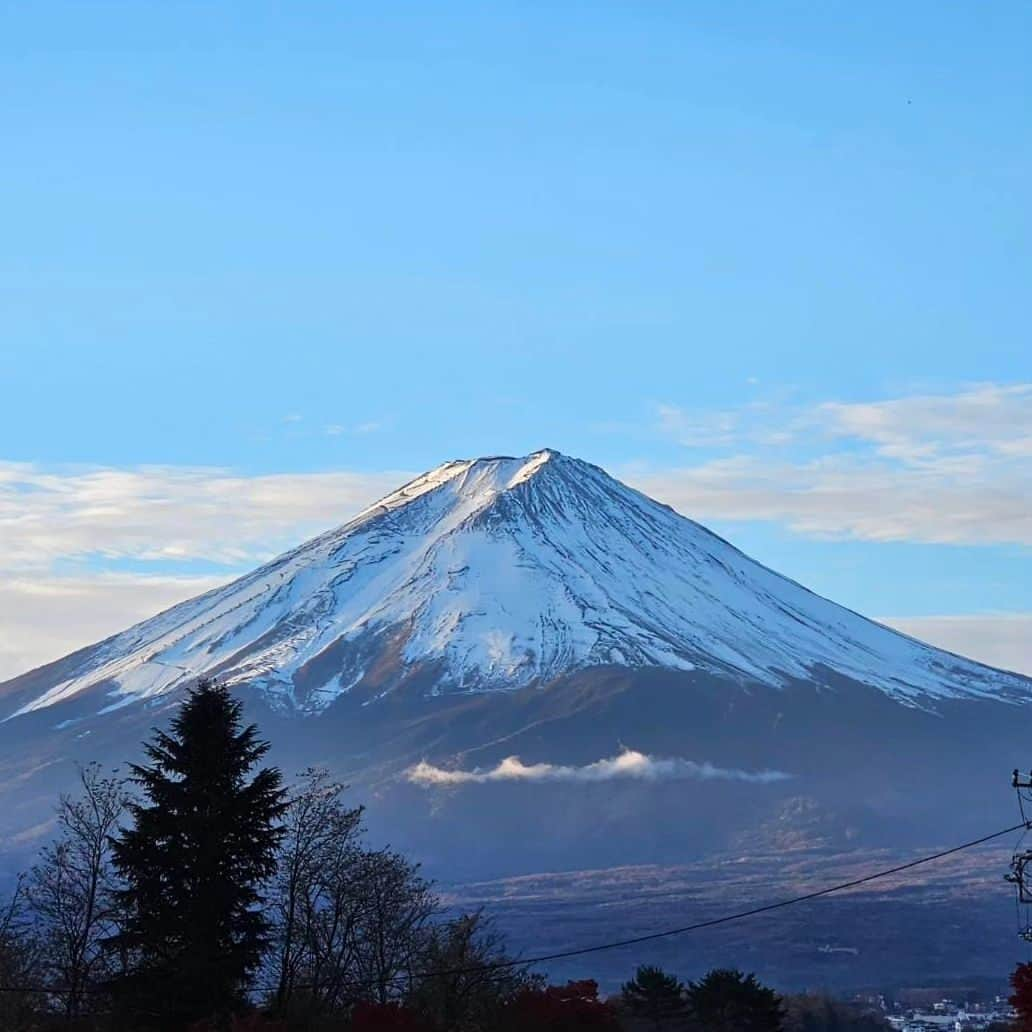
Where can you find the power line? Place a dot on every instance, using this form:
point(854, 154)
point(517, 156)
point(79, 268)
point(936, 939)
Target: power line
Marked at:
point(739, 915)
point(649, 937)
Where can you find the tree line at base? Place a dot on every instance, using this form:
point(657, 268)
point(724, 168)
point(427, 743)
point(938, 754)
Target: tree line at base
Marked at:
point(201, 894)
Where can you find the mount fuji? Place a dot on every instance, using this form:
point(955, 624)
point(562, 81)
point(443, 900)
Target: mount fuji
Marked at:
point(496, 574)
point(523, 665)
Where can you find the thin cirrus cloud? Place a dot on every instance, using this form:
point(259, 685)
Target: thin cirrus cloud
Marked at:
point(88, 552)
point(372, 426)
point(981, 418)
point(44, 617)
point(1000, 639)
point(940, 469)
point(986, 419)
point(170, 514)
point(628, 765)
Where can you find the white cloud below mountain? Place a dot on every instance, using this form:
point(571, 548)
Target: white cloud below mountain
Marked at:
point(629, 764)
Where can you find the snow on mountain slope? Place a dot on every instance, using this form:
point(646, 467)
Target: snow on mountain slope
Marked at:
point(499, 572)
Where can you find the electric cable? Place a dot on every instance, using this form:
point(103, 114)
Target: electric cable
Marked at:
point(581, 951)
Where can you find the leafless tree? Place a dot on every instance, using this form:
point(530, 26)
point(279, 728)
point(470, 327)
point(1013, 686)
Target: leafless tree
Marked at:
point(350, 921)
point(318, 854)
point(69, 891)
point(20, 1003)
point(468, 990)
point(395, 923)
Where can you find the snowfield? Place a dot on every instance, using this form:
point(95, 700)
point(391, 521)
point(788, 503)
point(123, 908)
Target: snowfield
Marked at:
point(496, 573)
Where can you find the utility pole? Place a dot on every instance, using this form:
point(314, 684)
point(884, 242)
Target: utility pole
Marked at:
point(1021, 862)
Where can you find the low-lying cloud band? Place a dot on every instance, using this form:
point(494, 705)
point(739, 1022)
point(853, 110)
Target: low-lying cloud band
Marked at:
point(629, 764)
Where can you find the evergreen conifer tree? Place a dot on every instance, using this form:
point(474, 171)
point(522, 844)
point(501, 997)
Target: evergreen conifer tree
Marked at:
point(655, 996)
point(728, 1001)
point(200, 844)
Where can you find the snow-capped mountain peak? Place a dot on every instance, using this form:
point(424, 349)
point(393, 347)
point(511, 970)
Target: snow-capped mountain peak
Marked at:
point(501, 572)
point(470, 482)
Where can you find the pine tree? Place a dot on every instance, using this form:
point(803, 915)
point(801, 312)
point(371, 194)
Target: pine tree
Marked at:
point(728, 1001)
point(655, 996)
point(199, 847)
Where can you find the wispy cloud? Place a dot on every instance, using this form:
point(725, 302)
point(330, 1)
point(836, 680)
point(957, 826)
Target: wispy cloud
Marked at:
point(984, 419)
point(629, 764)
point(155, 514)
point(1000, 639)
point(946, 469)
point(371, 426)
point(988, 418)
point(696, 429)
point(62, 531)
point(844, 496)
point(758, 423)
point(45, 617)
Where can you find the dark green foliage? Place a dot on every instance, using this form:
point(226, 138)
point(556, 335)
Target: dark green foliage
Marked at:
point(656, 997)
point(192, 861)
point(728, 1001)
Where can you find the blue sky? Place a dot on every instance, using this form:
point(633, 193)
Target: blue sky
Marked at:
point(769, 261)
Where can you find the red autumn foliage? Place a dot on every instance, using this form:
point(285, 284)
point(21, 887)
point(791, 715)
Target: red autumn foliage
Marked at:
point(559, 1008)
point(1021, 1001)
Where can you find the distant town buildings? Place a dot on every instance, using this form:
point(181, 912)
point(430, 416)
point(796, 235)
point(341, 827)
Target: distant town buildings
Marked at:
point(947, 1016)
